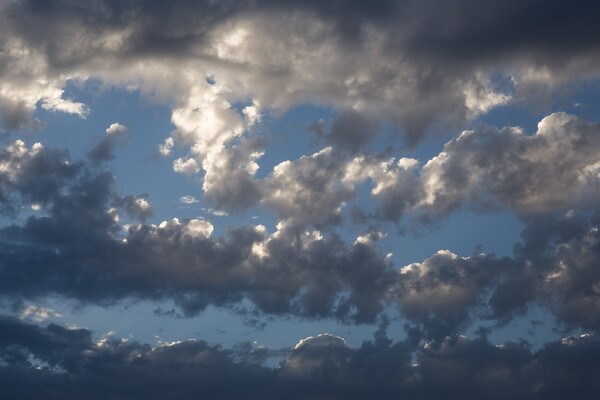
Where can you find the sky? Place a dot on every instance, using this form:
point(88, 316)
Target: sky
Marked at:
point(299, 199)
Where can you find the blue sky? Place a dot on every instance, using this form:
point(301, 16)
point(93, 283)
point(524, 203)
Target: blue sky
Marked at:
point(298, 197)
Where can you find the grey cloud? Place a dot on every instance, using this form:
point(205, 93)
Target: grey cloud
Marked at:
point(105, 149)
point(55, 362)
point(571, 280)
point(485, 169)
point(77, 249)
point(33, 174)
point(309, 190)
point(442, 290)
point(554, 169)
point(137, 207)
point(350, 130)
point(15, 115)
point(383, 60)
point(229, 181)
point(378, 63)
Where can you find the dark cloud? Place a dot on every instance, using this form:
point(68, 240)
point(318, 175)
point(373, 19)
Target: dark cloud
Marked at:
point(75, 247)
point(33, 175)
point(55, 362)
point(350, 131)
point(383, 60)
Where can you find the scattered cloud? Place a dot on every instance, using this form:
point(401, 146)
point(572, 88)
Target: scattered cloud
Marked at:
point(188, 199)
point(407, 69)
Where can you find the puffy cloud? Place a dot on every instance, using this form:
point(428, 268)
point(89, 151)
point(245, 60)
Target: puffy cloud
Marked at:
point(32, 174)
point(87, 256)
point(563, 253)
point(77, 248)
point(383, 61)
point(67, 363)
point(440, 291)
point(189, 166)
point(309, 190)
point(554, 169)
point(395, 183)
point(137, 207)
point(229, 180)
point(116, 129)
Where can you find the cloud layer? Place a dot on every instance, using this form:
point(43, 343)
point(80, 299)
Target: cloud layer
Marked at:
point(61, 363)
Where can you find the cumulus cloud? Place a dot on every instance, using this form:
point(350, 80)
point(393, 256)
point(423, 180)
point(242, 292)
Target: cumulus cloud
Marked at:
point(310, 189)
point(483, 169)
point(116, 129)
point(67, 363)
point(292, 270)
point(376, 65)
point(554, 169)
point(77, 248)
point(350, 57)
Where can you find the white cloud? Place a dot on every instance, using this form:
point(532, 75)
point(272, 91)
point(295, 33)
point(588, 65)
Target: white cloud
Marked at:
point(198, 228)
point(116, 129)
point(189, 166)
point(188, 199)
point(166, 148)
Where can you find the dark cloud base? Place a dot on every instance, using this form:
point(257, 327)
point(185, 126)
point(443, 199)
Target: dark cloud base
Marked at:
point(58, 363)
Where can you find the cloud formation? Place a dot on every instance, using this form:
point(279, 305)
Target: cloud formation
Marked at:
point(407, 69)
point(61, 363)
point(78, 248)
point(381, 61)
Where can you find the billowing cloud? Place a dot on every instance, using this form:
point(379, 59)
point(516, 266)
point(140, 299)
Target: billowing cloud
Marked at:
point(75, 246)
point(116, 129)
point(351, 58)
point(554, 169)
point(67, 363)
point(227, 69)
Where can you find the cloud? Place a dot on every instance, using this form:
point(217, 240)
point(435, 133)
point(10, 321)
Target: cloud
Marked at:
point(381, 63)
point(32, 175)
point(68, 363)
point(309, 190)
point(555, 169)
point(116, 129)
point(87, 255)
point(38, 314)
point(105, 149)
point(350, 130)
point(188, 199)
point(77, 248)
